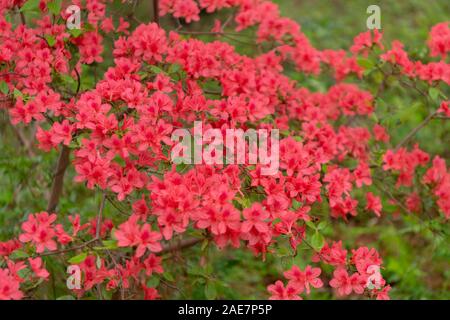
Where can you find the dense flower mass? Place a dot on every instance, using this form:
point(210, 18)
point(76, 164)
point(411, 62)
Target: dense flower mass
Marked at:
point(119, 134)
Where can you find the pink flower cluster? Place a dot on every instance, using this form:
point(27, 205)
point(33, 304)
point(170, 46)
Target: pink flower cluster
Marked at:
point(363, 260)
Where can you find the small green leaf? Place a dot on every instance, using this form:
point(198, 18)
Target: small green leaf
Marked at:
point(283, 251)
point(156, 69)
point(50, 40)
point(54, 7)
point(321, 225)
point(118, 159)
point(30, 5)
point(181, 167)
point(208, 268)
point(276, 221)
point(23, 273)
point(174, 68)
point(19, 254)
point(4, 87)
point(168, 276)
point(317, 241)
point(89, 27)
point(365, 63)
point(434, 93)
point(75, 32)
point(78, 258)
point(311, 224)
point(110, 244)
point(153, 282)
point(204, 244)
point(17, 93)
point(196, 271)
point(210, 291)
point(244, 202)
point(296, 205)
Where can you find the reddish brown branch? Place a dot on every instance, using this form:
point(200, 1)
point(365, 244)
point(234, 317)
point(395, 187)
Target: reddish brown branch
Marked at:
point(24, 141)
point(166, 249)
point(181, 245)
point(81, 246)
point(58, 180)
point(99, 216)
point(156, 11)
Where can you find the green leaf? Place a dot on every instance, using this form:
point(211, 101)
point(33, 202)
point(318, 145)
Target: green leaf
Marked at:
point(75, 32)
point(174, 68)
point(317, 241)
point(156, 69)
point(118, 159)
point(244, 202)
point(181, 167)
point(168, 276)
point(196, 271)
point(208, 268)
point(276, 221)
point(110, 244)
point(30, 5)
point(78, 258)
point(296, 205)
point(321, 225)
point(23, 273)
point(210, 290)
point(283, 251)
point(51, 40)
point(311, 224)
point(4, 87)
point(153, 282)
point(204, 244)
point(54, 7)
point(434, 93)
point(365, 63)
point(17, 93)
point(19, 254)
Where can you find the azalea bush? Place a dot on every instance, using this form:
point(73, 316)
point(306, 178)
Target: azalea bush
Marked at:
point(95, 189)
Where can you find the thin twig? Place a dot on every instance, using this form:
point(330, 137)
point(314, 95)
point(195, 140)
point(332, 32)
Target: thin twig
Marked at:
point(416, 129)
point(54, 252)
point(24, 141)
point(181, 245)
point(122, 289)
point(87, 243)
point(58, 181)
point(393, 198)
point(441, 118)
point(78, 81)
point(99, 216)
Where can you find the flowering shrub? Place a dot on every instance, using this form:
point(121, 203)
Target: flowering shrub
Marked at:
point(116, 134)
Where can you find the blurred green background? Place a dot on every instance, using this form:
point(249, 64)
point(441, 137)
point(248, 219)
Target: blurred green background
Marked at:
point(415, 249)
